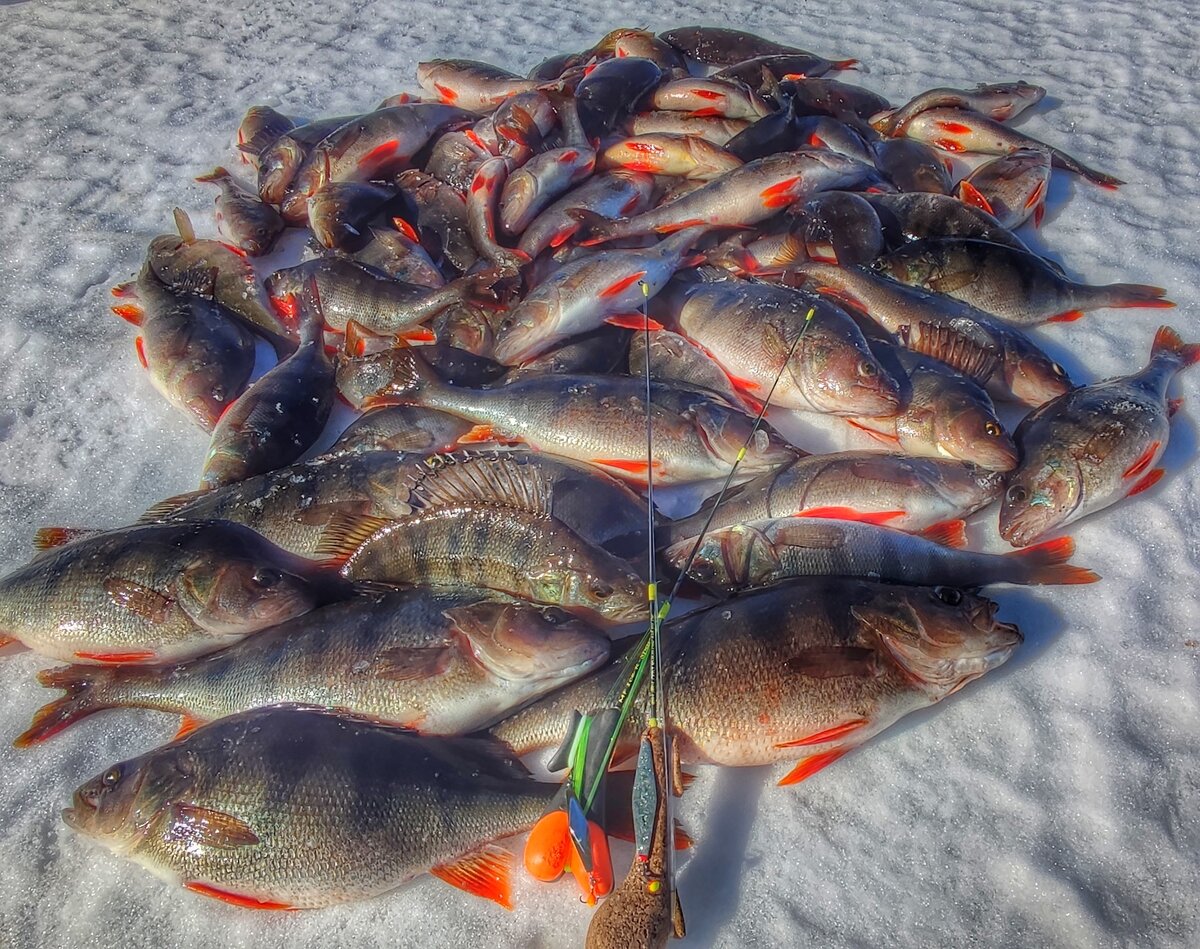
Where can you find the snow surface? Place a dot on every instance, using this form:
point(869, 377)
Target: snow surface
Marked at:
point(1053, 804)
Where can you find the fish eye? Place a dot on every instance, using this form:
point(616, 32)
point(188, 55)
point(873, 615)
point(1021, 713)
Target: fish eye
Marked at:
point(265, 579)
point(1017, 494)
point(866, 368)
point(554, 616)
point(602, 591)
point(111, 777)
point(1058, 370)
point(992, 429)
point(218, 393)
point(948, 595)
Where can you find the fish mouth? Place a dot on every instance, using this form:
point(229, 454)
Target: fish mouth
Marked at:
point(79, 815)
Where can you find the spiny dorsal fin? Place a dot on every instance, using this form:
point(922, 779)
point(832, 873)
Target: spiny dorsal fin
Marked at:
point(490, 478)
point(971, 358)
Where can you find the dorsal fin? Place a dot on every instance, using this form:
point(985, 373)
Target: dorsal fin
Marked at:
point(944, 343)
point(492, 478)
point(169, 507)
point(183, 224)
point(344, 534)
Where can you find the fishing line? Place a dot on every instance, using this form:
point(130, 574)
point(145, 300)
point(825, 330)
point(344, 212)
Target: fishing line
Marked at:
point(691, 558)
point(627, 686)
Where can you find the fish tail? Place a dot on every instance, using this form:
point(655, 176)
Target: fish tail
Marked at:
point(1128, 295)
point(82, 699)
point(217, 174)
point(1046, 563)
point(1167, 343)
point(1060, 159)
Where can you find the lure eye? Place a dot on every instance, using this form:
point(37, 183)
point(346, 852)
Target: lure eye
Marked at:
point(992, 429)
point(948, 595)
point(111, 777)
point(1017, 494)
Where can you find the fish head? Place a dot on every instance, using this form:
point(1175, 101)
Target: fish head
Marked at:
point(467, 327)
point(968, 487)
point(328, 216)
point(122, 806)
point(1042, 494)
point(277, 167)
point(591, 583)
point(163, 255)
point(965, 428)
point(524, 644)
point(839, 374)
point(940, 637)
point(906, 266)
point(361, 378)
point(1032, 376)
point(228, 594)
point(520, 191)
point(524, 331)
point(734, 557)
point(725, 433)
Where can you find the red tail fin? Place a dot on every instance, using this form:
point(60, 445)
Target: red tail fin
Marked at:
point(1166, 340)
point(79, 702)
point(1126, 295)
point(1046, 563)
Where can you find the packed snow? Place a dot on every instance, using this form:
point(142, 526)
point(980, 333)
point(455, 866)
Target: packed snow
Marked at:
point(1053, 803)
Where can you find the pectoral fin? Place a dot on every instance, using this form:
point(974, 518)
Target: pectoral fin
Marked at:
point(209, 828)
point(140, 600)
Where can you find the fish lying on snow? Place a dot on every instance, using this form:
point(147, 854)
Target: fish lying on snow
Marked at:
point(808, 670)
point(1093, 446)
point(205, 811)
point(438, 663)
point(157, 593)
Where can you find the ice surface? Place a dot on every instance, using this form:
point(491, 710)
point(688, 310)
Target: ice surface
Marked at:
point(1054, 804)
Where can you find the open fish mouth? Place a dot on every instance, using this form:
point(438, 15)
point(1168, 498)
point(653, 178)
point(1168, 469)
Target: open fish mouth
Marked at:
point(79, 815)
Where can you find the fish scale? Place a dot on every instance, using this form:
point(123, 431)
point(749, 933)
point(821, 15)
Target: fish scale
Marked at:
point(746, 682)
point(441, 663)
point(320, 810)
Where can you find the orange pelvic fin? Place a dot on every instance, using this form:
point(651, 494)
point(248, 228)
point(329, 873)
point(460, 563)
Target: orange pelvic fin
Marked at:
point(828, 735)
point(623, 284)
point(187, 725)
point(810, 766)
point(484, 872)
point(1151, 479)
point(633, 321)
point(850, 514)
point(115, 658)
point(1144, 461)
point(237, 899)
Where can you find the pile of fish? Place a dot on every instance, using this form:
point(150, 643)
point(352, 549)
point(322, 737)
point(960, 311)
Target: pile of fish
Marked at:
point(515, 279)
